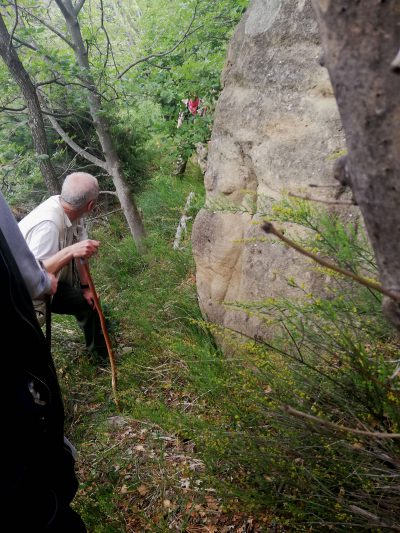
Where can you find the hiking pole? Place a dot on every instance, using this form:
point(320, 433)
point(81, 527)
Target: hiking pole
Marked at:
point(104, 330)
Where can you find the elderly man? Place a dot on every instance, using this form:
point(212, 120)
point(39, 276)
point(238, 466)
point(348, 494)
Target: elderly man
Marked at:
point(56, 236)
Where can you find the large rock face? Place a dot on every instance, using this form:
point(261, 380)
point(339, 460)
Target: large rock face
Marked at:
point(275, 127)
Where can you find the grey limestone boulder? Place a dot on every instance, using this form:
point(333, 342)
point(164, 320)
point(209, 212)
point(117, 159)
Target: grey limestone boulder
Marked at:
point(276, 126)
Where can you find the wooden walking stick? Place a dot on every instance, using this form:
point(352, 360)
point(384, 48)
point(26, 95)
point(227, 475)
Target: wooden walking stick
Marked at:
point(104, 329)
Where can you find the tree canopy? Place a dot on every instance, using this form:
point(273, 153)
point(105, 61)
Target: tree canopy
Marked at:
point(144, 58)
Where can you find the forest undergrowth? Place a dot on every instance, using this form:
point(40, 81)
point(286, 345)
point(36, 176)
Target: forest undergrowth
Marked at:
point(214, 442)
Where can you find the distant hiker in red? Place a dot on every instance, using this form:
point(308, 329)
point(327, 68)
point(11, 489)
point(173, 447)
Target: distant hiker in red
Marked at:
point(193, 105)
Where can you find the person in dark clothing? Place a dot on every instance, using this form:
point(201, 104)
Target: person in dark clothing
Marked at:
point(38, 281)
point(38, 481)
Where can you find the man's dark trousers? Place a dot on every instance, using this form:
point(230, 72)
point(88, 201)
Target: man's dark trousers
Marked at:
point(69, 300)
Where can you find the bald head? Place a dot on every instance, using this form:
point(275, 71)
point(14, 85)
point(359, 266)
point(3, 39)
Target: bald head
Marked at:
point(79, 188)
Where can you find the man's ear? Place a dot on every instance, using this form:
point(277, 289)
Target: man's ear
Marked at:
point(90, 205)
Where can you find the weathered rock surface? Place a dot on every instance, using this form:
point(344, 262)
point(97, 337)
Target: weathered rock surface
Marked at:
point(276, 126)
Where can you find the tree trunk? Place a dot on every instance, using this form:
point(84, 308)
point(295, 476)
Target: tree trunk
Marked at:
point(101, 125)
point(361, 40)
point(36, 124)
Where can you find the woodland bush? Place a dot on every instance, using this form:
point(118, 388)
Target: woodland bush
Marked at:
point(336, 358)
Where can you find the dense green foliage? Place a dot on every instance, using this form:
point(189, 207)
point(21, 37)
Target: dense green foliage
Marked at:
point(333, 356)
point(193, 68)
point(176, 49)
point(204, 439)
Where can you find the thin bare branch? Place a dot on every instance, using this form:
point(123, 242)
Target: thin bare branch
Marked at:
point(13, 109)
point(57, 81)
point(297, 347)
point(80, 151)
point(104, 215)
point(48, 26)
point(321, 186)
point(71, 143)
point(331, 202)
point(269, 228)
point(370, 516)
point(24, 43)
point(58, 115)
point(84, 85)
point(14, 27)
point(158, 66)
point(113, 193)
point(338, 427)
point(109, 45)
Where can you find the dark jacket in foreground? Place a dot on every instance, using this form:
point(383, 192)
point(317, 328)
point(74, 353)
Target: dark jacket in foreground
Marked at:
point(37, 475)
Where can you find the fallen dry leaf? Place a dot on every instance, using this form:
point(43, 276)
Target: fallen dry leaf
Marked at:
point(143, 490)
